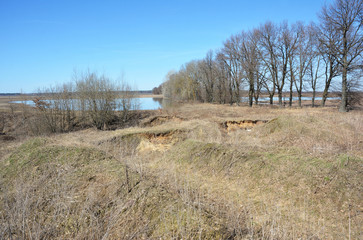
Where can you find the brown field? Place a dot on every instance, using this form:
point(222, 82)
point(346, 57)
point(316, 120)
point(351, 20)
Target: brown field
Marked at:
point(4, 102)
point(194, 171)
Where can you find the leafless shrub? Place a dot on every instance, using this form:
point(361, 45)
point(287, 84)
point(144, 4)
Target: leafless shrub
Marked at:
point(97, 98)
point(91, 100)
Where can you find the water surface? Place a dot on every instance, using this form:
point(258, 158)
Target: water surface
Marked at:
point(138, 103)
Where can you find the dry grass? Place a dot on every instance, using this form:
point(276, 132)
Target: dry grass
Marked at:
point(298, 176)
point(57, 192)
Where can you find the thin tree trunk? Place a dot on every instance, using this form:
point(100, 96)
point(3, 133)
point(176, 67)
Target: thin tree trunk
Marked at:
point(325, 96)
point(271, 99)
point(251, 91)
point(290, 97)
point(326, 88)
point(344, 101)
point(313, 99)
point(280, 96)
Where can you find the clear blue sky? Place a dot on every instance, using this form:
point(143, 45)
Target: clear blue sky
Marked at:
point(41, 42)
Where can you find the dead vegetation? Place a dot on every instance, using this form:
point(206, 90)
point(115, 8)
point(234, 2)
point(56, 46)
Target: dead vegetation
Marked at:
point(83, 193)
point(192, 172)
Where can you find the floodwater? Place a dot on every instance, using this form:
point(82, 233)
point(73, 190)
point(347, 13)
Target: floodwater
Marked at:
point(138, 103)
point(157, 103)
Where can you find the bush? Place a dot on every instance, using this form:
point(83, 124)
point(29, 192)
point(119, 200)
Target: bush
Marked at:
point(97, 97)
point(91, 100)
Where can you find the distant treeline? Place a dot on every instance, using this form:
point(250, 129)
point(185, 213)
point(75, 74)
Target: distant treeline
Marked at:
point(10, 94)
point(278, 58)
point(40, 93)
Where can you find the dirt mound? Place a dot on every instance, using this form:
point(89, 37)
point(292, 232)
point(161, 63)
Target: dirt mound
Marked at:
point(241, 124)
point(158, 141)
point(158, 120)
point(162, 138)
point(147, 141)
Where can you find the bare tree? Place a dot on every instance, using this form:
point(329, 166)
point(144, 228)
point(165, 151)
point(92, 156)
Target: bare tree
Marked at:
point(168, 85)
point(232, 59)
point(326, 39)
point(286, 47)
point(126, 101)
point(269, 55)
point(208, 76)
point(259, 83)
point(158, 90)
point(293, 69)
point(305, 55)
point(222, 79)
point(250, 61)
point(343, 19)
point(184, 84)
point(55, 109)
point(226, 77)
point(98, 97)
point(355, 86)
point(314, 70)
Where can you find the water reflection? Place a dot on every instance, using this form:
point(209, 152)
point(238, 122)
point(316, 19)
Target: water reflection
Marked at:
point(157, 103)
point(138, 103)
point(159, 100)
point(150, 103)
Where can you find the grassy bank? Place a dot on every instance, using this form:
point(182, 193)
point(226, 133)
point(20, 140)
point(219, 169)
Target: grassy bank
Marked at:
point(197, 171)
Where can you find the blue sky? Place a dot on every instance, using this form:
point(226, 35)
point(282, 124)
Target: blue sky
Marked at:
point(42, 42)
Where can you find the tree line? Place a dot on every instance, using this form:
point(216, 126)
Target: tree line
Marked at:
point(277, 58)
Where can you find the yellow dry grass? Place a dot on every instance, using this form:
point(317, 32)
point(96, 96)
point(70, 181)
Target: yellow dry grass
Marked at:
point(297, 176)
